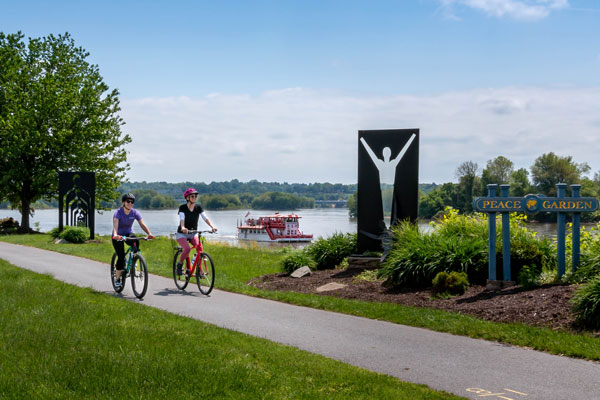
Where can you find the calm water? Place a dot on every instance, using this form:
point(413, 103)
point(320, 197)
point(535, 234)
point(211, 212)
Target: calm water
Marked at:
point(321, 222)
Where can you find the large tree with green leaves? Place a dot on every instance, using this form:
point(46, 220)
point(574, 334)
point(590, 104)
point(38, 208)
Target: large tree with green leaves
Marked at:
point(468, 182)
point(56, 114)
point(497, 171)
point(550, 169)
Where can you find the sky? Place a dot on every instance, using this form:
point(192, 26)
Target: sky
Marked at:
point(277, 90)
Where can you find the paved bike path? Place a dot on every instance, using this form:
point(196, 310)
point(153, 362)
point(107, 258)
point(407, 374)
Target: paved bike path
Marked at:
point(476, 369)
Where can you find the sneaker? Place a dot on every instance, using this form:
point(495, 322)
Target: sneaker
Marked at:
point(179, 268)
point(118, 283)
point(188, 273)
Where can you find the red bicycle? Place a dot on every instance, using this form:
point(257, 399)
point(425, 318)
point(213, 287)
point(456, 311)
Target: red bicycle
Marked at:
point(201, 266)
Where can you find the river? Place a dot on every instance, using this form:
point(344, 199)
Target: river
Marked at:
point(321, 222)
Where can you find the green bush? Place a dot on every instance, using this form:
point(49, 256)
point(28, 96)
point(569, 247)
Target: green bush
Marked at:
point(296, 260)
point(526, 249)
point(589, 263)
point(54, 232)
point(75, 234)
point(528, 277)
point(460, 243)
point(456, 243)
point(329, 252)
point(453, 283)
point(586, 304)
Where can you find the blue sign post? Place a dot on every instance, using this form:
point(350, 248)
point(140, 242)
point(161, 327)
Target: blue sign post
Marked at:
point(533, 204)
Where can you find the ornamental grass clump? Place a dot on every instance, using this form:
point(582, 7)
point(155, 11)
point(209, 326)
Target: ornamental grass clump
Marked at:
point(329, 252)
point(297, 260)
point(456, 243)
point(460, 243)
point(586, 304)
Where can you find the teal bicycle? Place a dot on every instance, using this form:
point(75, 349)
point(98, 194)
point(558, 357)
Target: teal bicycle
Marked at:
point(135, 267)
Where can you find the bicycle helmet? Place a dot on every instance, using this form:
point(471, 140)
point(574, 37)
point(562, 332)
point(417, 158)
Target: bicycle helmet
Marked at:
point(189, 191)
point(128, 196)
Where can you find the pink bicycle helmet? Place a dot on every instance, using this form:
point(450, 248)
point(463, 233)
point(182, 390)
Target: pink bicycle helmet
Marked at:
point(189, 191)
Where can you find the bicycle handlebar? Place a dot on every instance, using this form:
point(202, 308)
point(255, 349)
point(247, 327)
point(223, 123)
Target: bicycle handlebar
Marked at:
point(200, 232)
point(126, 238)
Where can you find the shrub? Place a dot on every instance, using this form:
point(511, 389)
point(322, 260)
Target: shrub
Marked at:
point(526, 249)
point(456, 243)
point(586, 304)
point(54, 232)
point(328, 253)
point(589, 264)
point(75, 234)
point(528, 277)
point(453, 283)
point(460, 243)
point(296, 260)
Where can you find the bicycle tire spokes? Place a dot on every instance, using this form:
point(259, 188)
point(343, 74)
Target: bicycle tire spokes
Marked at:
point(139, 276)
point(205, 274)
point(181, 280)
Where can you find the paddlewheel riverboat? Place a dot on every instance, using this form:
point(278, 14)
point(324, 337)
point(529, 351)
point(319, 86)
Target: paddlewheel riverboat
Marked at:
point(272, 228)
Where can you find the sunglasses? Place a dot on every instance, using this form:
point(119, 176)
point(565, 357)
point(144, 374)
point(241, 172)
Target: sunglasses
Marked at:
point(193, 195)
point(129, 201)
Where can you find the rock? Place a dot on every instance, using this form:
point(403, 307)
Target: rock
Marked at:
point(330, 286)
point(364, 262)
point(61, 241)
point(300, 272)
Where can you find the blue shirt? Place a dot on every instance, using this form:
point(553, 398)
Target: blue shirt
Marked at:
point(126, 220)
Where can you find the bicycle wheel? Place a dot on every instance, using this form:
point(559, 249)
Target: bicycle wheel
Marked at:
point(181, 281)
point(113, 275)
point(205, 274)
point(139, 276)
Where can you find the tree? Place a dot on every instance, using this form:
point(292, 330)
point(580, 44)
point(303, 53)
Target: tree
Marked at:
point(519, 183)
point(550, 169)
point(497, 171)
point(467, 181)
point(440, 197)
point(56, 114)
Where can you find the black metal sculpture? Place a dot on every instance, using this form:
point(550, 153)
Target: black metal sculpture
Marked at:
point(388, 184)
point(77, 199)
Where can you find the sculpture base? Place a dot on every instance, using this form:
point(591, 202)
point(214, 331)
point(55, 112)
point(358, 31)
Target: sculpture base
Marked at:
point(499, 285)
point(359, 262)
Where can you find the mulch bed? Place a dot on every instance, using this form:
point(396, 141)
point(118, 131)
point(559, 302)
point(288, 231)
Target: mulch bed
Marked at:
point(546, 306)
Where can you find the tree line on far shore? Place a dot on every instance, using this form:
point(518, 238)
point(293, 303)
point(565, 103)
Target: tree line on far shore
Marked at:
point(150, 199)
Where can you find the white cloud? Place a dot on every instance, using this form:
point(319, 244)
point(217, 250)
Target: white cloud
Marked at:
point(517, 9)
point(303, 135)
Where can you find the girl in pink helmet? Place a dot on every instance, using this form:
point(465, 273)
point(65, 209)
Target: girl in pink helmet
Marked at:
point(188, 221)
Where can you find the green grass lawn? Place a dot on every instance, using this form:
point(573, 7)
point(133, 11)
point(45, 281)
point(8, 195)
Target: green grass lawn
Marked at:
point(62, 341)
point(235, 266)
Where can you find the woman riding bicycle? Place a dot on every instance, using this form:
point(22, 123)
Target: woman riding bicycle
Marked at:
point(188, 221)
point(122, 226)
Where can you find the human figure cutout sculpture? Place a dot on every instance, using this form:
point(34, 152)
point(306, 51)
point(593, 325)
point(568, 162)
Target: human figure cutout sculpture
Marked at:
point(387, 169)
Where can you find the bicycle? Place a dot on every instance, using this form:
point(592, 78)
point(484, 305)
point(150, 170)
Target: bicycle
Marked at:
point(135, 266)
point(201, 264)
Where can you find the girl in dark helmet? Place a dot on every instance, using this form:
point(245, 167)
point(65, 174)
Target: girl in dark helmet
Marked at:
point(123, 226)
point(188, 221)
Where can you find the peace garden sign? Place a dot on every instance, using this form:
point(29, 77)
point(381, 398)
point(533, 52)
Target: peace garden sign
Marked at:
point(533, 204)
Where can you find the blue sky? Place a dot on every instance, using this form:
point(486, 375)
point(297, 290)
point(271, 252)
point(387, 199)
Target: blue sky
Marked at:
point(277, 90)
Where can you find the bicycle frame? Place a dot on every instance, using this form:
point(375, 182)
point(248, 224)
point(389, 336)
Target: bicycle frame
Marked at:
point(199, 250)
point(129, 254)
